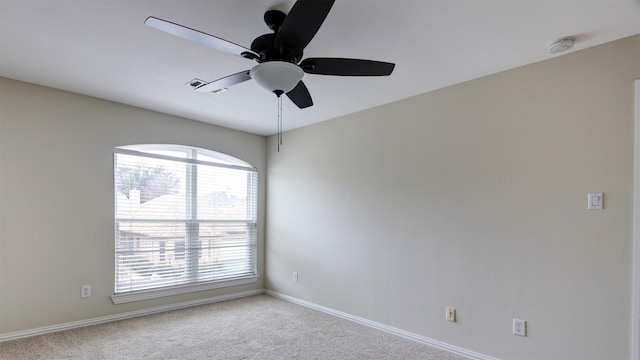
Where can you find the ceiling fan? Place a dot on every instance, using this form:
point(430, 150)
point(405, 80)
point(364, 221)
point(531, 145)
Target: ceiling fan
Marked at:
point(279, 54)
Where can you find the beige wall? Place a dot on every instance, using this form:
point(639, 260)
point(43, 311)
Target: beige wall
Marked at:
point(473, 196)
point(56, 199)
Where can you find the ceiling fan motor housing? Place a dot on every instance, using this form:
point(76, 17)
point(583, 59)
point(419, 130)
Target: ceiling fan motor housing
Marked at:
point(265, 46)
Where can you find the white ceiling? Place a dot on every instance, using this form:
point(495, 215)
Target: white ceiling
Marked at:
point(102, 48)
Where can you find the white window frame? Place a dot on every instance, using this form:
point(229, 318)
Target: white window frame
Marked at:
point(191, 162)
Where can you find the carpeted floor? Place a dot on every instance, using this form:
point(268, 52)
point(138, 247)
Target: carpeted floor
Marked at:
point(256, 327)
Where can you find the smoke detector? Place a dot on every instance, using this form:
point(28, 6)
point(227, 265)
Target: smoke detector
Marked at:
point(561, 45)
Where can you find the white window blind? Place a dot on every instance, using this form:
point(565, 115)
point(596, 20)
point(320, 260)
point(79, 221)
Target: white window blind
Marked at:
point(182, 216)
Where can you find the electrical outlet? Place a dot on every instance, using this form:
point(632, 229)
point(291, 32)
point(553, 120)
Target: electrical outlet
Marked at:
point(85, 291)
point(519, 327)
point(294, 277)
point(451, 314)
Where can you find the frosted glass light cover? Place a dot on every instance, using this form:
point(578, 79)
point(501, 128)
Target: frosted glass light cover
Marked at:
point(277, 76)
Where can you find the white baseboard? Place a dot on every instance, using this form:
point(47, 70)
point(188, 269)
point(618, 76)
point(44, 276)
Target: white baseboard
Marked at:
point(132, 314)
point(405, 334)
point(127, 315)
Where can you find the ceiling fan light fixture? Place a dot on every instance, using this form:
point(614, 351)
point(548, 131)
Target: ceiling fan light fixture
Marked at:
point(277, 76)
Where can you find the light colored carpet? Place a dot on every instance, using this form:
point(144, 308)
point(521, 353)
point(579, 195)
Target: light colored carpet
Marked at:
point(256, 327)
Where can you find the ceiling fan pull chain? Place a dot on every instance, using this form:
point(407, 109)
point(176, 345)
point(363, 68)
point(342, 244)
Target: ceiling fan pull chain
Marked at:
point(279, 122)
point(280, 116)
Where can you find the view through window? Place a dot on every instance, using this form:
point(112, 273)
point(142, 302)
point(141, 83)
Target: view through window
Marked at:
point(183, 216)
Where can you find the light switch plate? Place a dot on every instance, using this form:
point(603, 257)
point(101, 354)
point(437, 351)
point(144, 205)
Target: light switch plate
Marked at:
point(595, 201)
point(450, 314)
point(85, 291)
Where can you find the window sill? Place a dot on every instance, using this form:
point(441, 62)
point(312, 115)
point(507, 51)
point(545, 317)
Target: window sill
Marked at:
point(183, 289)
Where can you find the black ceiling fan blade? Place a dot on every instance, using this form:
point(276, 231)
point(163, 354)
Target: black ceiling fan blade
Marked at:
point(225, 82)
point(300, 96)
point(302, 23)
point(346, 67)
point(200, 37)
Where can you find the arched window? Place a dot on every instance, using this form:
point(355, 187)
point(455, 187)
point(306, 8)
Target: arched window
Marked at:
point(185, 220)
